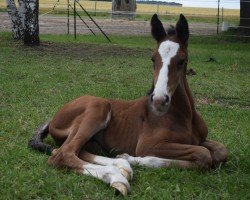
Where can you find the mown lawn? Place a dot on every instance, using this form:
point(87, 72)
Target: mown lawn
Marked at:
point(35, 82)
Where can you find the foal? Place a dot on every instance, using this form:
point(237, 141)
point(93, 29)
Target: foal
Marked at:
point(162, 129)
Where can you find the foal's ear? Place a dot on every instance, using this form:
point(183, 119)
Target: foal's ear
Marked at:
point(157, 29)
point(182, 29)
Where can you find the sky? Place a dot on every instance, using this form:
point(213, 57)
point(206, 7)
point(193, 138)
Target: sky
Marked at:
point(233, 4)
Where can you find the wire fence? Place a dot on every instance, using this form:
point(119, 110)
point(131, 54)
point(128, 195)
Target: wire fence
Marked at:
point(203, 21)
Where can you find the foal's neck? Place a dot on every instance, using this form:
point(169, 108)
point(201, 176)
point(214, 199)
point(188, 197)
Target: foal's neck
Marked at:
point(188, 92)
point(182, 98)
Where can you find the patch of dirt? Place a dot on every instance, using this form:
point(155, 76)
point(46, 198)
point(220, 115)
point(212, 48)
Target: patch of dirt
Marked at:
point(205, 101)
point(58, 25)
point(87, 50)
point(223, 102)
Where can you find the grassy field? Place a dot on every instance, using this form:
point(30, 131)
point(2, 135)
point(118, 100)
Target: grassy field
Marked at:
point(144, 11)
point(35, 82)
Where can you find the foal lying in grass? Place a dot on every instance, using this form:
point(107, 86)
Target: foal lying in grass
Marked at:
point(162, 129)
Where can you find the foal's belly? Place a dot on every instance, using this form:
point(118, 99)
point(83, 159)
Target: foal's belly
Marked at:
point(121, 135)
point(123, 130)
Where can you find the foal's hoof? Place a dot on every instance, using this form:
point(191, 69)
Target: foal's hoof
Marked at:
point(120, 188)
point(124, 167)
point(125, 173)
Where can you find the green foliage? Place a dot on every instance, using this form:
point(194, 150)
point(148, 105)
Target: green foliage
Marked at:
point(36, 81)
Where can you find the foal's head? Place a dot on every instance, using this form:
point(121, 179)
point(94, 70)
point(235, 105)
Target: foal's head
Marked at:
point(170, 60)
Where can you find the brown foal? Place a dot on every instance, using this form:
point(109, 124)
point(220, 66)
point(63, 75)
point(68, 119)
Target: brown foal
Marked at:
point(162, 129)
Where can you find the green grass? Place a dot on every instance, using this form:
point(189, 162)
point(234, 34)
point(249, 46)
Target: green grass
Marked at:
point(36, 81)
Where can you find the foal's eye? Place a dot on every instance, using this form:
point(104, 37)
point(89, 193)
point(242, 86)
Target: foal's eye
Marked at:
point(153, 62)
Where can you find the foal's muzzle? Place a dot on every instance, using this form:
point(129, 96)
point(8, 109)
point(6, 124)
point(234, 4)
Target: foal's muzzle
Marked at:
point(160, 105)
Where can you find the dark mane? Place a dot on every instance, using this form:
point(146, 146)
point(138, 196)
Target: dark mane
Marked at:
point(171, 30)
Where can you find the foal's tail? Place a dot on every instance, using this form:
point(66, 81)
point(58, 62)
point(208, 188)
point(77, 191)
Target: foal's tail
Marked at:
point(36, 142)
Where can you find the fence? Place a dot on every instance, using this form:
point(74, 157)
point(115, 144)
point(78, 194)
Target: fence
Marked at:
point(203, 21)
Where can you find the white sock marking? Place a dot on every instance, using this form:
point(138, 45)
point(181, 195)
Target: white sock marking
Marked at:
point(108, 174)
point(148, 161)
point(117, 162)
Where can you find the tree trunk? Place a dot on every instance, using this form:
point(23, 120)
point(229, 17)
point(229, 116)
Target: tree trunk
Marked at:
point(245, 13)
point(17, 28)
point(31, 23)
point(21, 10)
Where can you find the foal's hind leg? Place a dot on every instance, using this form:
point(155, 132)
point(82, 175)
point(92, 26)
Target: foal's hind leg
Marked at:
point(94, 118)
point(217, 150)
point(84, 126)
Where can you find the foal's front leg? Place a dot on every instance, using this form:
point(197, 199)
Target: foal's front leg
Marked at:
point(121, 164)
point(171, 154)
point(217, 150)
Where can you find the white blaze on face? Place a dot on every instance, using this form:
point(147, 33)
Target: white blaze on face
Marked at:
point(167, 50)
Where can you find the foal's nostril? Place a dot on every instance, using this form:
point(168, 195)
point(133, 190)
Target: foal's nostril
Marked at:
point(166, 99)
point(151, 98)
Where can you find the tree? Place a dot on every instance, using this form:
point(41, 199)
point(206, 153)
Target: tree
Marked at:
point(25, 24)
point(17, 27)
point(245, 14)
point(31, 23)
